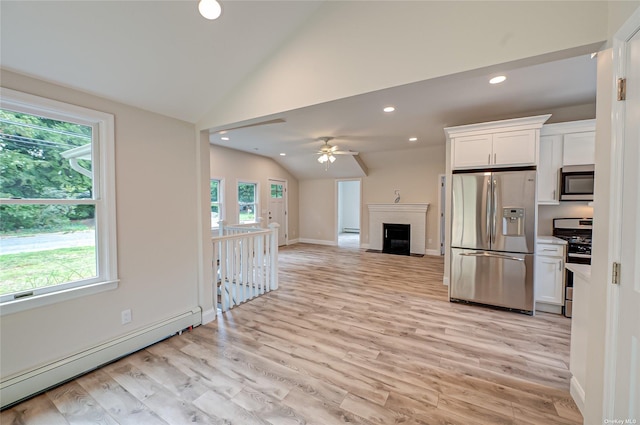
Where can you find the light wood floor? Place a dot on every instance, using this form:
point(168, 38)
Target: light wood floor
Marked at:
point(350, 337)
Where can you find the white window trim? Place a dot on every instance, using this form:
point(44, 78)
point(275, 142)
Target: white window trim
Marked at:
point(104, 168)
point(221, 202)
point(257, 200)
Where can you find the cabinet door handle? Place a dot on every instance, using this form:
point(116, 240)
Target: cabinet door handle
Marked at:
point(489, 159)
point(548, 249)
point(554, 195)
point(495, 158)
point(560, 266)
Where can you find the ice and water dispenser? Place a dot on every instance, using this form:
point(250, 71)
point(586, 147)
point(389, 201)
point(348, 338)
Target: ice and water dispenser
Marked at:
point(513, 221)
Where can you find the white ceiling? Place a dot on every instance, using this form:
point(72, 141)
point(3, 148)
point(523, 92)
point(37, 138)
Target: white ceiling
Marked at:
point(164, 57)
point(161, 56)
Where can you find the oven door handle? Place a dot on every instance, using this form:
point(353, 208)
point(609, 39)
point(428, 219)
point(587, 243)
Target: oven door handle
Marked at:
point(575, 255)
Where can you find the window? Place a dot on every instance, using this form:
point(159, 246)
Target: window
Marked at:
point(247, 202)
point(277, 190)
point(216, 202)
point(57, 193)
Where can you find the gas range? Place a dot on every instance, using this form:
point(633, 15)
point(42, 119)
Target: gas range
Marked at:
point(577, 232)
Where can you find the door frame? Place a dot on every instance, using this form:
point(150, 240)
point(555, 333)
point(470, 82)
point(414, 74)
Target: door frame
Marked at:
point(442, 195)
point(336, 230)
point(285, 227)
point(628, 29)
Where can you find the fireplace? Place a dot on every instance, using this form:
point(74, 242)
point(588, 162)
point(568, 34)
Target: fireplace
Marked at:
point(415, 215)
point(396, 238)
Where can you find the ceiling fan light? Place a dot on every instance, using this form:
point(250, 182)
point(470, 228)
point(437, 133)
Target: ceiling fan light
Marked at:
point(323, 158)
point(210, 9)
point(332, 158)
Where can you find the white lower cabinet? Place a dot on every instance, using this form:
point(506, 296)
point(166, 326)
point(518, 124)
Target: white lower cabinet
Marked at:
point(549, 277)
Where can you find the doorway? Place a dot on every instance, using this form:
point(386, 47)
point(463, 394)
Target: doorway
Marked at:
point(348, 214)
point(278, 208)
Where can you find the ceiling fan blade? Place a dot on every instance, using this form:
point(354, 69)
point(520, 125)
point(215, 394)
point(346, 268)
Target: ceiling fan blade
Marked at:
point(345, 153)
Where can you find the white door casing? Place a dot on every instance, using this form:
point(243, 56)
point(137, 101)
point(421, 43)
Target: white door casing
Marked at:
point(442, 210)
point(622, 352)
point(278, 208)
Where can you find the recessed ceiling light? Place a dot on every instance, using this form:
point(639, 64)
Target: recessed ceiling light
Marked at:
point(389, 109)
point(283, 154)
point(497, 80)
point(209, 9)
point(413, 139)
point(224, 138)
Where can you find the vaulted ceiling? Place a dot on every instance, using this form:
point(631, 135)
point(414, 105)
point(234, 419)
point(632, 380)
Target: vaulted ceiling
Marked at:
point(164, 57)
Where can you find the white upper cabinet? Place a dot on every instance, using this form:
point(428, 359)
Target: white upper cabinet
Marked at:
point(496, 144)
point(549, 164)
point(579, 148)
point(566, 143)
point(515, 147)
point(472, 151)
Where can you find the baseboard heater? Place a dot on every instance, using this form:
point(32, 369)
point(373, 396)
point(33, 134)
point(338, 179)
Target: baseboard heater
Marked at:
point(27, 384)
point(351, 230)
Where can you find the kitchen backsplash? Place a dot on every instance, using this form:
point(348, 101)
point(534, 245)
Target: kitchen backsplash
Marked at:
point(546, 214)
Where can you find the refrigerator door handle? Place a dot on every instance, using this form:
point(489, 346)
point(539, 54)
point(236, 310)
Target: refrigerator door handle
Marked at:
point(488, 254)
point(488, 209)
point(495, 211)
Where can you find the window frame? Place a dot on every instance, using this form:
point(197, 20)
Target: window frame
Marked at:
point(256, 201)
point(103, 167)
point(220, 202)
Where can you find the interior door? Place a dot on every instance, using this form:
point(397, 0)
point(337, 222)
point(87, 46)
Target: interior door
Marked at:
point(277, 208)
point(626, 400)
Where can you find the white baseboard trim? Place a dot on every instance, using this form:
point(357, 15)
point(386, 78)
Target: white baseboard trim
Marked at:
point(318, 242)
point(577, 393)
point(293, 241)
point(434, 252)
point(445, 281)
point(209, 316)
point(548, 308)
point(364, 245)
point(26, 384)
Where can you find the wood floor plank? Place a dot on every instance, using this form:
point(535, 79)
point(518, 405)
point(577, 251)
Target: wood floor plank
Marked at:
point(349, 337)
point(78, 407)
point(38, 410)
point(164, 403)
point(121, 405)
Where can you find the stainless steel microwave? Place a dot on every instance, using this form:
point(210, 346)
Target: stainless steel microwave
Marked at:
point(577, 182)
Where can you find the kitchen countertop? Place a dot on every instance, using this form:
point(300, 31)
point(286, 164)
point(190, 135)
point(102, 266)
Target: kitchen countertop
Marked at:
point(582, 270)
point(551, 239)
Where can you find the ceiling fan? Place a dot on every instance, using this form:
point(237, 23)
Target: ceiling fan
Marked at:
point(327, 152)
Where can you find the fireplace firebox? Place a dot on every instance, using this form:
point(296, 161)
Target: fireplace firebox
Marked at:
point(396, 238)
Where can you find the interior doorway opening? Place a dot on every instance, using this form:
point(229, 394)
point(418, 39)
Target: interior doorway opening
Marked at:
point(348, 220)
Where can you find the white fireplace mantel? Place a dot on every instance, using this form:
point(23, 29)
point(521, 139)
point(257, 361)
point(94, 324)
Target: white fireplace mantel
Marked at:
point(413, 214)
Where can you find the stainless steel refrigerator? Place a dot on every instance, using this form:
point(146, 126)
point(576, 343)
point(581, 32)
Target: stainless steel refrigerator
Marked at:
point(493, 238)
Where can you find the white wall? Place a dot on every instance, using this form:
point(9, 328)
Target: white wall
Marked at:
point(546, 214)
point(234, 166)
point(350, 48)
point(157, 214)
point(348, 204)
point(318, 211)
